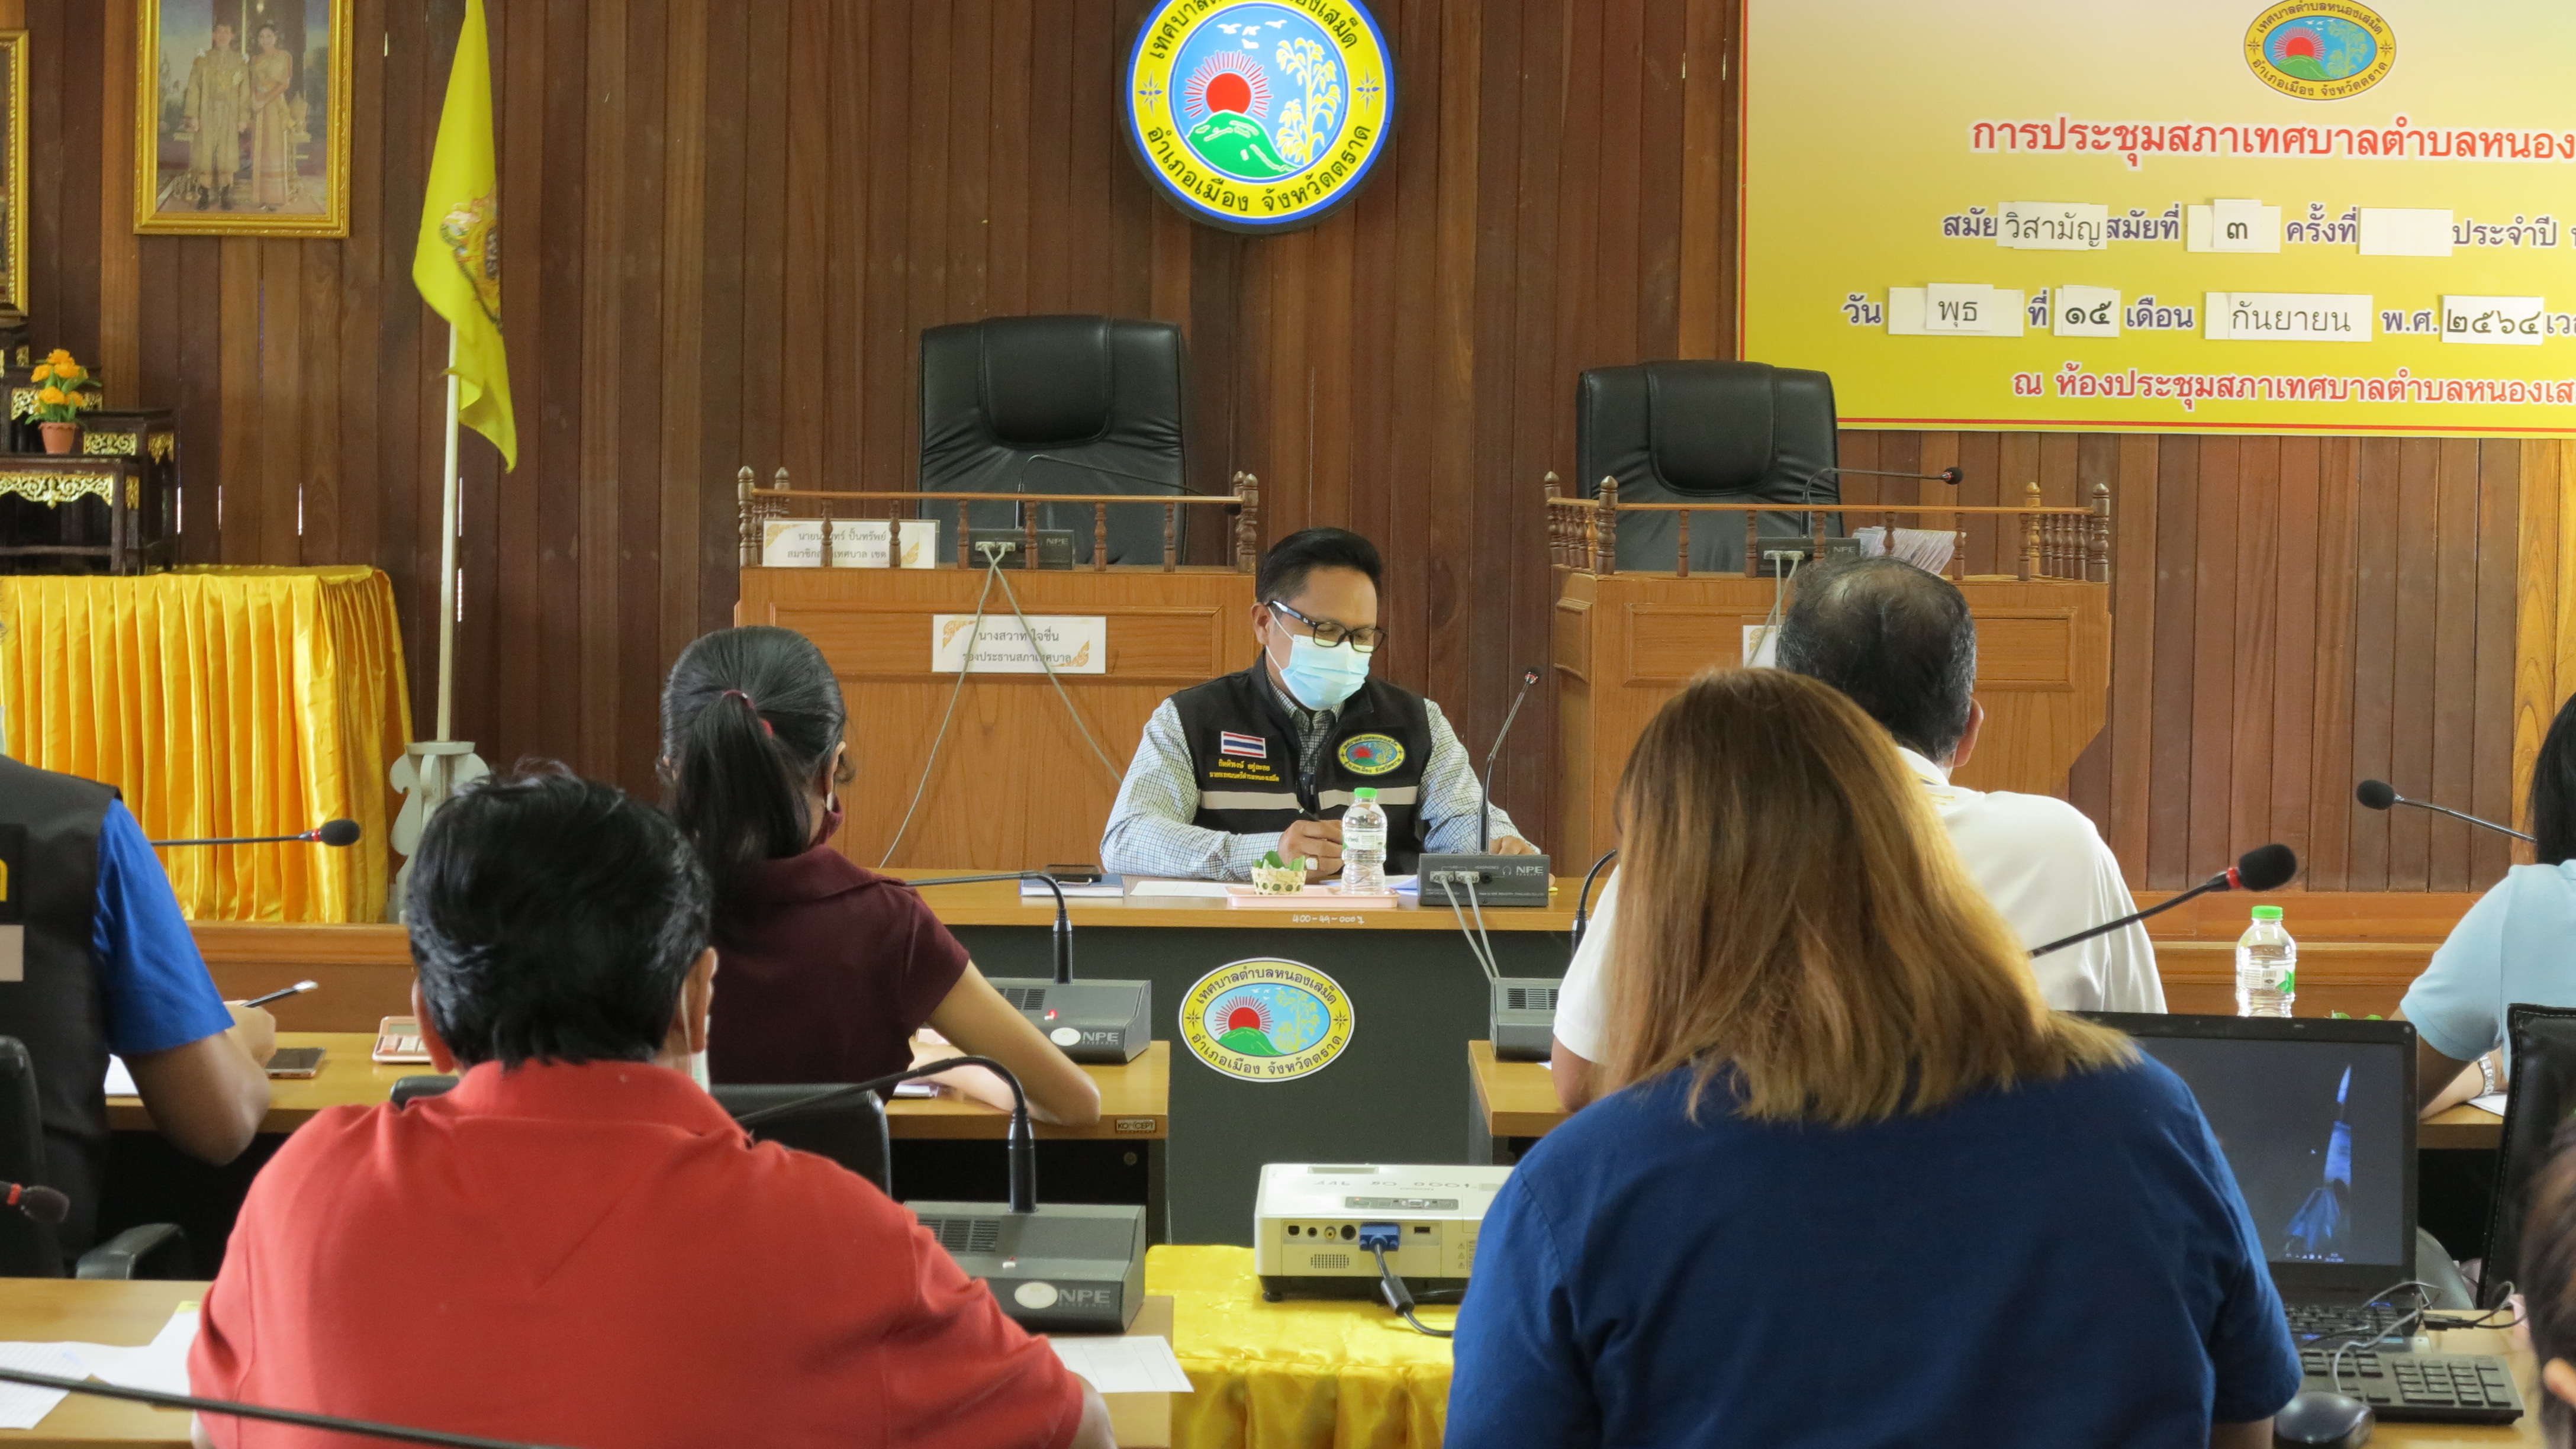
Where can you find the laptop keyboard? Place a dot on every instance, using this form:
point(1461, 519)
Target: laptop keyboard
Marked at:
point(2347, 1322)
point(2450, 1388)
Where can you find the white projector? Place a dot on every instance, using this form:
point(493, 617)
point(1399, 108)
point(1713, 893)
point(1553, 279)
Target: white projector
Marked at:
point(1313, 1226)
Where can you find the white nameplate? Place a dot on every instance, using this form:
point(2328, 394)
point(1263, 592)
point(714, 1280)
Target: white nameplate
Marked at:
point(1074, 643)
point(857, 543)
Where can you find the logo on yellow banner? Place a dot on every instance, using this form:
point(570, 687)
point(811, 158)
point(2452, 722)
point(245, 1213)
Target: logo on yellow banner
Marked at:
point(1266, 1020)
point(1259, 116)
point(2320, 50)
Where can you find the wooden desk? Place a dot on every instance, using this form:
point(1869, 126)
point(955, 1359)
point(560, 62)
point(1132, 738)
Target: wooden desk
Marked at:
point(1135, 1098)
point(54, 1310)
point(1515, 1105)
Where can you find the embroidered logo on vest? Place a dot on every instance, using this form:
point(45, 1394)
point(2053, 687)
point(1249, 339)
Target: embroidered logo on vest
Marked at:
point(1371, 754)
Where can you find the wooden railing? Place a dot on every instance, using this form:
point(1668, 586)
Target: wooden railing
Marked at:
point(2069, 544)
point(755, 505)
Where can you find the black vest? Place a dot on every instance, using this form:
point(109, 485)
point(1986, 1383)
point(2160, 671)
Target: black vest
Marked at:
point(1243, 749)
point(57, 1010)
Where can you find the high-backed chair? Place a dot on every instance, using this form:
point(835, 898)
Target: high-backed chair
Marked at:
point(28, 1248)
point(849, 1130)
point(1705, 432)
point(2536, 1105)
point(1055, 405)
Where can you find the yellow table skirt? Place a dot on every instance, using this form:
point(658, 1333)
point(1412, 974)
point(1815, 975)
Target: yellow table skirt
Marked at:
point(222, 701)
point(1299, 1374)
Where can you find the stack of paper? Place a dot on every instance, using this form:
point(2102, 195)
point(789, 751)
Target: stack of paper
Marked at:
point(1138, 1364)
point(24, 1406)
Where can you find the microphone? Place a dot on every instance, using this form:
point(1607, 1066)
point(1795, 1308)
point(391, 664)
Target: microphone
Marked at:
point(1089, 1021)
point(2377, 795)
point(2265, 867)
point(235, 1408)
point(1583, 898)
point(1485, 786)
point(330, 832)
point(1950, 476)
point(44, 1204)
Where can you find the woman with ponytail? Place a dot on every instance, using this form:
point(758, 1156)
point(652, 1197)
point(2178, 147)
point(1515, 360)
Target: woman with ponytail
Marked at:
point(828, 968)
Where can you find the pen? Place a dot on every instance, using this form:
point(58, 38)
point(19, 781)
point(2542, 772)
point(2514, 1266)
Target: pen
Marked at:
point(298, 989)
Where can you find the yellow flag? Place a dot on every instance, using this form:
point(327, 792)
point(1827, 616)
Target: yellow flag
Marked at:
point(458, 264)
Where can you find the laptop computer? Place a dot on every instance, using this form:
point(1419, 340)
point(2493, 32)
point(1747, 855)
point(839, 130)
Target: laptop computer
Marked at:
point(2317, 1118)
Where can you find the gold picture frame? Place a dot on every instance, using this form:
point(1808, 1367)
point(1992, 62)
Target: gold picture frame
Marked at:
point(13, 187)
point(236, 80)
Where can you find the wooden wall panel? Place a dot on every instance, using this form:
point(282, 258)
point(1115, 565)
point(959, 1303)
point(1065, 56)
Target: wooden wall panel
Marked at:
point(726, 227)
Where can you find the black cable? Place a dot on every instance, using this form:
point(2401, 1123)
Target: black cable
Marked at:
point(1399, 1297)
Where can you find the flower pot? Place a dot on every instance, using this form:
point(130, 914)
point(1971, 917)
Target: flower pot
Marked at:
point(60, 437)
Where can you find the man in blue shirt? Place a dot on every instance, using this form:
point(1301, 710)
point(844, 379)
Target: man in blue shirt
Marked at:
point(95, 958)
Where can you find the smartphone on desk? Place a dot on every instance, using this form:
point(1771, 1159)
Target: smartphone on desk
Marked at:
point(295, 1062)
point(1075, 874)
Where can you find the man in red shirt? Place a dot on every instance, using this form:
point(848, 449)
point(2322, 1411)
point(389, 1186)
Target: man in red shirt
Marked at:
point(576, 1245)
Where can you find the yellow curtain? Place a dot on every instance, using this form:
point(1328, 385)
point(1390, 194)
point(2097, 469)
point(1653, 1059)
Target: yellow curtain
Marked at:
point(222, 701)
point(1295, 1375)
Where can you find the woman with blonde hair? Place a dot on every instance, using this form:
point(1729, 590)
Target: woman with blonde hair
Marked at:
point(1856, 1184)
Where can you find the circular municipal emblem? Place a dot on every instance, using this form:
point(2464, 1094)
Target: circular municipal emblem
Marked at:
point(1256, 115)
point(1371, 754)
point(2320, 50)
point(1266, 1020)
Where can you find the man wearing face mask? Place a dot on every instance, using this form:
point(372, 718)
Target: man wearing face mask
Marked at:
point(1267, 759)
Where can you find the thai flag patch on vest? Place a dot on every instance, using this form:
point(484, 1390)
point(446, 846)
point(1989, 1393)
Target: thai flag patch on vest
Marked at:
point(1251, 747)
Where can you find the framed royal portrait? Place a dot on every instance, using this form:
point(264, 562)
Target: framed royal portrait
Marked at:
point(13, 185)
point(242, 117)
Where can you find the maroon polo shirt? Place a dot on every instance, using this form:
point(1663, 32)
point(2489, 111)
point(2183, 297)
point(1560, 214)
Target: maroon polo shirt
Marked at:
point(835, 967)
point(596, 1255)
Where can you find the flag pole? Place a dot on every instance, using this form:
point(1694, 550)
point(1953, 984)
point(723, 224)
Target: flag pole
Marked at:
point(447, 530)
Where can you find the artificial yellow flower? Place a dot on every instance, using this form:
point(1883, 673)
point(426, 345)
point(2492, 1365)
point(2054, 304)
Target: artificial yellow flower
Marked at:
point(70, 372)
point(59, 357)
point(52, 397)
point(44, 372)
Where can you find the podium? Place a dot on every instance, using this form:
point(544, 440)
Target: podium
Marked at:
point(1625, 641)
point(1014, 785)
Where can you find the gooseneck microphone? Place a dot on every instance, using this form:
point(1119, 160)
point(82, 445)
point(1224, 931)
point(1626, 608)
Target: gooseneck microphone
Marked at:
point(1583, 898)
point(1485, 785)
point(2376, 795)
point(2265, 867)
point(44, 1204)
point(1063, 919)
point(1950, 476)
point(1023, 1138)
point(329, 832)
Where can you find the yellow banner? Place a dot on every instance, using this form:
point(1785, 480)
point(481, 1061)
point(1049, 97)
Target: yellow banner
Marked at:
point(2220, 215)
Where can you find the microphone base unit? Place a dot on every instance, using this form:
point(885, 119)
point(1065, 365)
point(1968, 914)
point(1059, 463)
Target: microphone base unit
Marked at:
point(1065, 1268)
point(1500, 880)
point(1055, 546)
point(1100, 1022)
point(1524, 1017)
point(1313, 1224)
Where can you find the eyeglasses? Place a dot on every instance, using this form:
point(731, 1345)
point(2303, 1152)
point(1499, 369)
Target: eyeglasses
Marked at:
point(1365, 638)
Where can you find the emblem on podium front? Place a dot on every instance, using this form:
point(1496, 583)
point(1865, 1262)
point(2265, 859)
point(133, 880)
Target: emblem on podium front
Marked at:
point(1266, 1020)
point(1255, 115)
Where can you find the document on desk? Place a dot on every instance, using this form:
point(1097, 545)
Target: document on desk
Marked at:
point(24, 1406)
point(161, 1364)
point(120, 1080)
point(1145, 890)
point(1138, 1364)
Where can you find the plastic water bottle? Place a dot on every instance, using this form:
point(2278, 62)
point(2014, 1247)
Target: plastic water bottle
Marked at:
point(2267, 966)
point(1364, 845)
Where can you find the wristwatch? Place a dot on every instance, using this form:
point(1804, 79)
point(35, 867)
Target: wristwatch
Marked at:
point(2487, 1075)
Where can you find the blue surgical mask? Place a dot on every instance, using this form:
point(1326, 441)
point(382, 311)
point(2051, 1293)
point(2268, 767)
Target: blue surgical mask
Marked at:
point(1322, 678)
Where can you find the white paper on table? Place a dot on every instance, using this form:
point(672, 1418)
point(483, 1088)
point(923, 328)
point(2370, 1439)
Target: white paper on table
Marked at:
point(24, 1406)
point(2405, 231)
point(120, 1080)
point(1140, 1364)
point(161, 1364)
point(1173, 889)
point(2492, 1102)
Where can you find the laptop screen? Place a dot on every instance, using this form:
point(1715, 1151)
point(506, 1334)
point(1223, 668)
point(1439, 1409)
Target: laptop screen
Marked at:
point(2316, 1119)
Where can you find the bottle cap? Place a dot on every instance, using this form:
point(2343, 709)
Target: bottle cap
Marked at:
point(1365, 792)
point(2267, 913)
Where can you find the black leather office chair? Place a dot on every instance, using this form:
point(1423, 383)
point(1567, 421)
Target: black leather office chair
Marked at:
point(1713, 432)
point(28, 1248)
point(1041, 404)
point(2536, 1104)
point(849, 1130)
